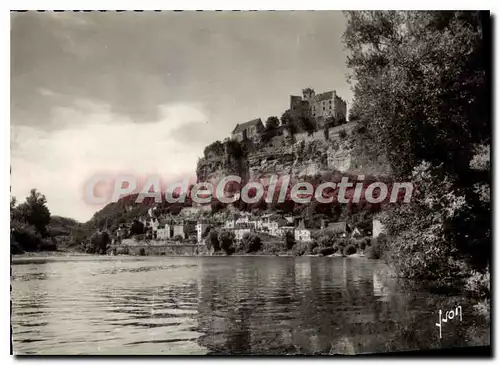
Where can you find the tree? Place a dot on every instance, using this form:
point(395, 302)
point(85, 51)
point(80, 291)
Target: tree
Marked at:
point(98, 243)
point(137, 228)
point(422, 74)
point(226, 240)
point(35, 212)
point(213, 240)
point(421, 91)
point(251, 242)
point(289, 240)
point(178, 238)
point(272, 123)
point(271, 128)
point(289, 122)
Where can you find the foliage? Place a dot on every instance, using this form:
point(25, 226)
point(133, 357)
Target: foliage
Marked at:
point(206, 232)
point(226, 239)
point(178, 238)
point(98, 243)
point(137, 228)
point(479, 284)
point(272, 123)
point(234, 148)
point(251, 242)
point(420, 73)
point(301, 248)
point(29, 222)
point(422, 95)
point(26, 237)
point(33, 212)
point(214, 149)
point(377, 248)
point(271, 128)
point(350, 250)
point(342, 134)
point(61, 226)
point(289, 240)
point(299, 119)
point(142, 252)
point(325, 251)
point(213, 240)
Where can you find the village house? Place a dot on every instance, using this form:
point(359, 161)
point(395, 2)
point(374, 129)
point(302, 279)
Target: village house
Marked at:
point(247, 130)
point(341, 228)
point(264, 221)
point(278, 227)
point(230, 222)
point(170, 228)
point(201, 226)
point(240, 232)
point(241, 229)
point(302, 234)
point(321, 106)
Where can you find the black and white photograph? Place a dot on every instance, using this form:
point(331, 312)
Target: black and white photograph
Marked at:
point(251, 183)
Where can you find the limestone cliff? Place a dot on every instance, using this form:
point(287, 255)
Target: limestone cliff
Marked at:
point(298, 156)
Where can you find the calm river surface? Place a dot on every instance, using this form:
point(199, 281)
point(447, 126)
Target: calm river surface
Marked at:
point(226, 305)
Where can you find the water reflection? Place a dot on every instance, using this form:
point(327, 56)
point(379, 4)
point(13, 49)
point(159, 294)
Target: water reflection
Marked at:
point(220, 305)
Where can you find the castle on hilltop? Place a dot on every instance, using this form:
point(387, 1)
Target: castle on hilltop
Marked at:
point(321, 106)
point(324, 107)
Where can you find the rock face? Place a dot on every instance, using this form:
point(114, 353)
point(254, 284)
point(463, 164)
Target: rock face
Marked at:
point(304, 155)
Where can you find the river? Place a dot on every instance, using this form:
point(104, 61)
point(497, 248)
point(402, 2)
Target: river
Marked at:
point(227, 305)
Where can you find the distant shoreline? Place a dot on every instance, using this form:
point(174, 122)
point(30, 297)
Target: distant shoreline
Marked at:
point(50, 254)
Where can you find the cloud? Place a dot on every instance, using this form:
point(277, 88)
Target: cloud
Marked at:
point(59, 163)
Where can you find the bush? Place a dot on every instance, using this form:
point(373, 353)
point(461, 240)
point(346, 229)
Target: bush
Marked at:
point(137, 228)
point(342, 134)
point(206, 232)
point(48, 245)
point(327, 251)
point(311, 246)
point(27, 238)
point(139, 237)
point(98, 243)
point(341, 242)
point(325, 241)
point(251, 242)
point(301, 248)
point(226, 241)
point(274, 247)
point(142, 252)
point(213, 240)
point(178, 238)
point(378, 247)
point(479, 284)
point(350, 250)
point(289, 239)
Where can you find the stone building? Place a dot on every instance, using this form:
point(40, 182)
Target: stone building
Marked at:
point(201, 226)
point(247, 130)
point(322, 106)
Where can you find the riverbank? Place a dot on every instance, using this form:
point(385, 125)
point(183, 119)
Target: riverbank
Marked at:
point(50, 254)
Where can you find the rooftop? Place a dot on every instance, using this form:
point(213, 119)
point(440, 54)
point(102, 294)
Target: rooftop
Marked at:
point(241, 127)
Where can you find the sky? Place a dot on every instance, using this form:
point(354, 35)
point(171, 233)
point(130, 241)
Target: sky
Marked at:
point(144, 93)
